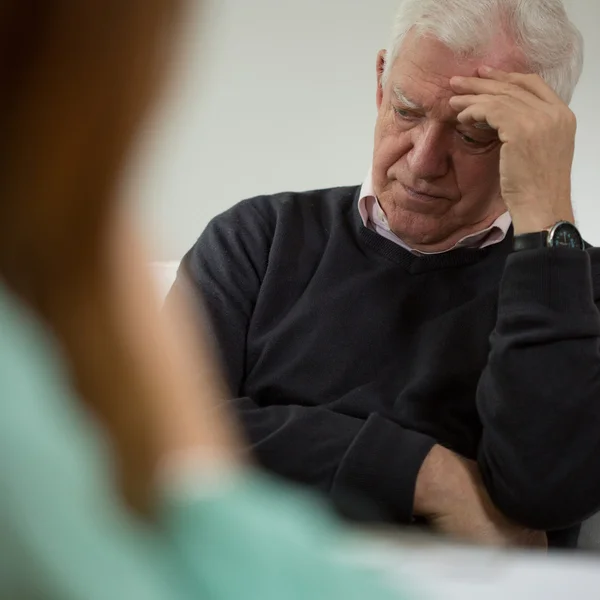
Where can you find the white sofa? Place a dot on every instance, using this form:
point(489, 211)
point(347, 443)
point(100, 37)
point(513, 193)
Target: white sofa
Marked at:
point(164, 274)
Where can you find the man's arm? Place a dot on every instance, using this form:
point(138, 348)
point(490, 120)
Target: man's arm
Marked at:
point(347, 458)
point(539, 397)
point(451, 495)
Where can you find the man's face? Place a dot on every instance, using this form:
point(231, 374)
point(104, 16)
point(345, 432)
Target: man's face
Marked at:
point(436, 179)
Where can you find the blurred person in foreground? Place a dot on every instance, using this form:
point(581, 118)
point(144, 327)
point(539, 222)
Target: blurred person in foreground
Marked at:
point(95, 389)
point(430, 340)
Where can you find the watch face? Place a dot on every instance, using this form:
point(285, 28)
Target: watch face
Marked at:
point(565, 235)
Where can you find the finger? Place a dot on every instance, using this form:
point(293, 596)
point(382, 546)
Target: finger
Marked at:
point(477, 85)
point(479, 115)
point(459, 103)
point(511, 105)
point(497, 114)
point(528, 81)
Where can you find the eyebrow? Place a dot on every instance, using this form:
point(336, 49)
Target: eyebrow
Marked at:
point(404, 100)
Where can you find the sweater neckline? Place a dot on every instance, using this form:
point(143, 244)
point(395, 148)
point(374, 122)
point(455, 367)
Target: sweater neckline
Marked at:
point(421, 263)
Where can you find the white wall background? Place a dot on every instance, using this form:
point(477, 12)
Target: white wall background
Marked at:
point(280, 95)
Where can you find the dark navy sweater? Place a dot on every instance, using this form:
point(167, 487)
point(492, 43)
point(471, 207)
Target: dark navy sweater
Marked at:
point(349, 357)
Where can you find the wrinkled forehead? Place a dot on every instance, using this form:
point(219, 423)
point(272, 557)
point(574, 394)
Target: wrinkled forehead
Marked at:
point(424, 67)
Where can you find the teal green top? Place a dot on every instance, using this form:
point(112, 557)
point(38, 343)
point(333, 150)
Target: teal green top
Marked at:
point(65, 536)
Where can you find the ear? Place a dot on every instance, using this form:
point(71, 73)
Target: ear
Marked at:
point(381, 56)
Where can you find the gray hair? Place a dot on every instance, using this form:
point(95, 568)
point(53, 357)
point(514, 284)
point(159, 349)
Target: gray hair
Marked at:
point(541, 29)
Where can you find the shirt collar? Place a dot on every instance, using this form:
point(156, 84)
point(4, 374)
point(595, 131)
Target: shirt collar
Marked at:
point(374, 218)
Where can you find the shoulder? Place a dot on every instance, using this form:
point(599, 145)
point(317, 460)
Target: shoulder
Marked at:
point(269, 211)
point(247, 233)
point(25, 348)
point(37, 400)
point(35, 387)
point(251, 225)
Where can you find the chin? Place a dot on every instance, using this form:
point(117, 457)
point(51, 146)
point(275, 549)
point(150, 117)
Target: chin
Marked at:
point(417, 229)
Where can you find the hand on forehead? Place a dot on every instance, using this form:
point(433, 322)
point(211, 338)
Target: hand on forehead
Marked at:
point(424, 67)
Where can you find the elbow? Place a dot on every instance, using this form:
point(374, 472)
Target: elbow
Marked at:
point(543, 503)
point(538, 511)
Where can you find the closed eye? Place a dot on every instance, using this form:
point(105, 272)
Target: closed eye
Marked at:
point(473, 142)
point(404, 114)
point(468, 140)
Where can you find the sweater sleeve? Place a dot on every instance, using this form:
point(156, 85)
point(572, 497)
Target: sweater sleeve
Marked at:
point(346, 457)
point(539, 396)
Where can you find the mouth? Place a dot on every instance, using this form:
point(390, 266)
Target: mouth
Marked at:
point(422, 196)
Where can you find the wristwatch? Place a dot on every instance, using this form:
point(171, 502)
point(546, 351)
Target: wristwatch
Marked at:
point(561, 235)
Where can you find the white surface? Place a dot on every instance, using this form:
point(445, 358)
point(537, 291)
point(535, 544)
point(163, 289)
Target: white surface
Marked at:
point(453, 573)
point(281, 95)
point(589, 538)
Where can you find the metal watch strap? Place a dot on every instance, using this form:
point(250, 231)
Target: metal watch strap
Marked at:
point(530, 241)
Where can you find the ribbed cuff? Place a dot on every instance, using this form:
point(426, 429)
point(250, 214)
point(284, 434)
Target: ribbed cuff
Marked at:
point(557, 278)
point(383, 463)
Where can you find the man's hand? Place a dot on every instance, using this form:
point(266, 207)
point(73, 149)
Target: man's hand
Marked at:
point(537, 132)
point(451, 496)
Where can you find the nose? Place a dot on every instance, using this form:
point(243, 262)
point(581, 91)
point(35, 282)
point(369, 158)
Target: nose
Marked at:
point(428, 159)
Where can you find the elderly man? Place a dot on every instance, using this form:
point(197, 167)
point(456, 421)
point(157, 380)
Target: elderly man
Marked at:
point(430, 340)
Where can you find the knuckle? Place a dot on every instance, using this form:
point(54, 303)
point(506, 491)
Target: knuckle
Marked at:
point(529, 128)
point(510, 89)
point(564, 115)
point(519, 78)
point(571, 118)
point(531, 78)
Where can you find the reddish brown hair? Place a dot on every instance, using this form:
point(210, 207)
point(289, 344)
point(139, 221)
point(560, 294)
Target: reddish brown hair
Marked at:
point(76, 78)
